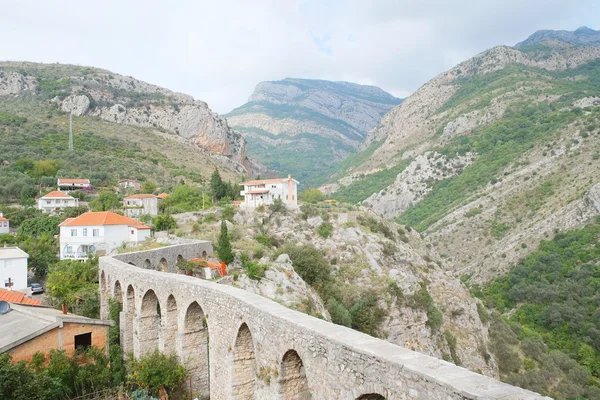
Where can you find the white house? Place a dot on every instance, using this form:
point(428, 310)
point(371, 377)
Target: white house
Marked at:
point(67, 184)
point(13, 268)
point(128, 184)
point(101, 233)
point(56, 201)
point(4, 224)
point(265, 191)
point(141, 204)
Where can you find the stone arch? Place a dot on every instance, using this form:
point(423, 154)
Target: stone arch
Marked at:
point(148, 326)
point(163, 265)
point(127, 340)
point(204, 254)
point(103, 281)
point(147, 264)
point(194, 349)
point(180, 267)
point(170, 326)
point(371, 396)
point(103, 295)
point(244, 365)
point(117, 292)
point(293, 384)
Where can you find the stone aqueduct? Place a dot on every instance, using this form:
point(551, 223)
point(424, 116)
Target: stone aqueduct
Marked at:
point(241, 346)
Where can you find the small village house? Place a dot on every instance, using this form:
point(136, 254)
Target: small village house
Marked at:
point(69, 184)
point(13, 268)
point(137, 205)
point(28, 329)
point(264, 192)
point(126, 185)
point(56, 201)
point(11, 296)
point(100, 233)
point(4, 224)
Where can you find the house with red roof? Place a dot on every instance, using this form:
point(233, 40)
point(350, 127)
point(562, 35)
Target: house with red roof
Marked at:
point(12, 296)
point(265, 191)
point(100, 233)
point(4, 224)
point(56, 201)
point(68, 184)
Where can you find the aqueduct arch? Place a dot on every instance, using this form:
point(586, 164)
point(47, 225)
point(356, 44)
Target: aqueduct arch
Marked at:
point(257, 343)
point(244, 365)
point(292, 379)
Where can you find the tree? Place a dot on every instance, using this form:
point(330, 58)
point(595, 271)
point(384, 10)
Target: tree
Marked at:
point(278, 206)
point(217, 186)
point(224, 245)
point(155, 371)
point(149, 187)
point(164, 222)
point(44, 224)
point(312, 196)
point(70, 282)
point(105, 201)
point(45, 168)
point(42, 253)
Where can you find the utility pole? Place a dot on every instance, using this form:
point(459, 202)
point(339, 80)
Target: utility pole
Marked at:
point(71, 131)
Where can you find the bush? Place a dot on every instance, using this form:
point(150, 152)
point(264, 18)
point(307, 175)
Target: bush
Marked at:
point(278, 206)
point(366, 315)
point(308, 262)
point(155, 371)
point(421, 299)
point(339, 314)
point(324, 230)
point(312, 196)
point(164, 222)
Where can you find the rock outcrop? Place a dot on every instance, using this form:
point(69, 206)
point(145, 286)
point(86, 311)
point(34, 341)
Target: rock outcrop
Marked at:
point(14, 83)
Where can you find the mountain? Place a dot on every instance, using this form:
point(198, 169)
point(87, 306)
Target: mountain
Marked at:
point(488, 158)
point(304, 126)
point(122, 127)
point(583, 36)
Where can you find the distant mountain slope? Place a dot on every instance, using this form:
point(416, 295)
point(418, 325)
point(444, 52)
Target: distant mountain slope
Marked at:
point(583, 36)
point(490, 157)
point(301, 126)
point(122, 127)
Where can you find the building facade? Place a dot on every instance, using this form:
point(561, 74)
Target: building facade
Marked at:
point(68, 184)
point(56, 201)
point(100, 233)
point(264, 192)
point(4, 224)
point(128, 185)
point(137, 205)
point(13, 268)
point(26, 330)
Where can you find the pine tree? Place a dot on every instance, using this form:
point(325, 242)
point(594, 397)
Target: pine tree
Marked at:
point(224, 245)
point(218, 187)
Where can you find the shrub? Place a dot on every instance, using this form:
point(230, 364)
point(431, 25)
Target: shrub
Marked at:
point(155, 371)
point(164, 222)
point(224, 249)
point(324, 230)
point(278, 206)
point(308, 262)
point(366, 315)
point(339, 314)
point(451, 341)
point(421, 299)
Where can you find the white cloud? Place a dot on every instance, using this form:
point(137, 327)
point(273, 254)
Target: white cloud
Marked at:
point(218, 51)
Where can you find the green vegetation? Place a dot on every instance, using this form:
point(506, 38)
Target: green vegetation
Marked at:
point(224, 245)
point(106, 201)
point(368, 184)
point(422, 300)
point(556, 322)
point(311, 195)
point(155, 372)
point(185, 198)
point(75, 285)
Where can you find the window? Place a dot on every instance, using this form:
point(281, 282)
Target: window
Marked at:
point(68, 249)
point(96, 232)
point(83, 341)
point(274, 186)
point(73, 232)
point(132, 232)
point(84, 231)
point(48, 201)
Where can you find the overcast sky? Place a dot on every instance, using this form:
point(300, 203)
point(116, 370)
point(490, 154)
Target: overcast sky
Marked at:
point(219, 50)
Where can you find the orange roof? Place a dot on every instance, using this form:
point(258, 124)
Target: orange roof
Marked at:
point(261, 181)
point(57, 194)
point(70, 180)
point(140, 196)
point(18, 297)
point(101, 218)
point(162, 195)
point(139, 227)
point(3, 219)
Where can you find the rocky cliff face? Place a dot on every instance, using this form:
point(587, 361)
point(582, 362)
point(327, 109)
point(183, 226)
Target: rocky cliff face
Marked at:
point(126, 100)
point(482, 181)
point(329, 119)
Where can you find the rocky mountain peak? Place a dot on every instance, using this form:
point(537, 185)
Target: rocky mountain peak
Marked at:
point(582, 36)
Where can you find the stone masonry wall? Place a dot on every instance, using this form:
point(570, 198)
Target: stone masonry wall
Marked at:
point(338, 363)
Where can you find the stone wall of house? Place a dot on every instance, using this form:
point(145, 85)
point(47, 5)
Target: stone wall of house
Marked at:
point(238, 345)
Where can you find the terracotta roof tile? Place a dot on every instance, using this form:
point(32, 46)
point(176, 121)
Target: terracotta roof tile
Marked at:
point(139, 227)
point(265, 181)
point(57, 194)
point(3, 219)
point(101, 218)
point(72, 180)
point(162, 196)
point(18, 297)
